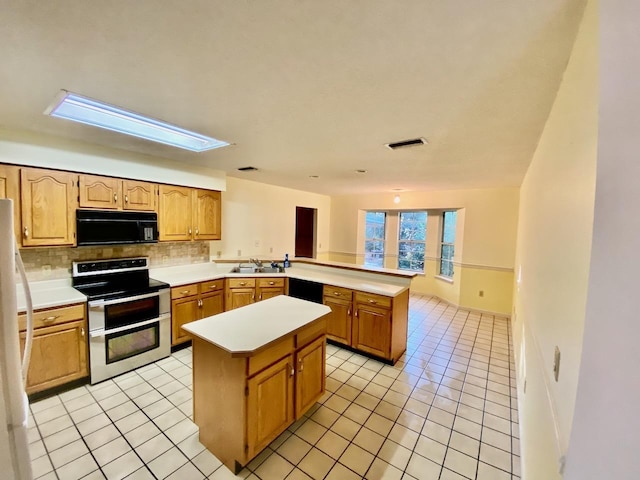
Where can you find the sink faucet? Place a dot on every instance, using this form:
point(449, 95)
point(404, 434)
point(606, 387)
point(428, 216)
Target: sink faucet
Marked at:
point(256, 262)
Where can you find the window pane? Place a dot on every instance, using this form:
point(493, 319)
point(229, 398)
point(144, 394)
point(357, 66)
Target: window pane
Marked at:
point(446, 268)
point(449, 227)
point(374, 239)
point(447, 252)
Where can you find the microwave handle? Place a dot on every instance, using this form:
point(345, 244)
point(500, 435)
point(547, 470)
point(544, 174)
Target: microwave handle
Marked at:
point(102, 303)
point(102, 332)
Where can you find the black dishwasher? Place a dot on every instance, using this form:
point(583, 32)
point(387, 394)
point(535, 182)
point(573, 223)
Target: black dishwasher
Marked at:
point(305, 290)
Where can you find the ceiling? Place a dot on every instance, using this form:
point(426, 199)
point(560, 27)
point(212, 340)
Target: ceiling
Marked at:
point(304, 87)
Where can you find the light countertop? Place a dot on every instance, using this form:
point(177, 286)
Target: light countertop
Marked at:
point(49, 294)
point(185, 274)
point(245, 330)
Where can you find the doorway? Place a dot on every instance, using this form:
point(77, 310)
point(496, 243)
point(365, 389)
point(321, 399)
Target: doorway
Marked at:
point(306, 219)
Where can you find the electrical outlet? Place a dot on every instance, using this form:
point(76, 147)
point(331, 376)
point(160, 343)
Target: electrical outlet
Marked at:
point(219, 253)
point(556, 363)
point(46, 270)
point(481, 293)
point(239, 253)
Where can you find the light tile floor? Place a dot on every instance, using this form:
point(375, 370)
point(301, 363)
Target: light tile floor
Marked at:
point(446, 411)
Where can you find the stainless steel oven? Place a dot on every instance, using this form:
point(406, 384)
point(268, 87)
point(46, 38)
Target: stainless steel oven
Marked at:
point(126, 333)
point(129, 315)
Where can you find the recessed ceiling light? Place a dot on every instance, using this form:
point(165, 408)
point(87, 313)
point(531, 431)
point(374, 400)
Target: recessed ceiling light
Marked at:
point(77, 108)
point(248, 169)
point(361, 171)
point(314, 176)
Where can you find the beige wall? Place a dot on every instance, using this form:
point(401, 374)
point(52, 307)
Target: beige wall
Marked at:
point(604, 438)
point(485, 241)
point(259, 220)
point(552, 261)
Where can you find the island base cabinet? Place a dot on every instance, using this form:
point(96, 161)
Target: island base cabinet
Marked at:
point(269, 404)
point(372, 330)
point(241, 404)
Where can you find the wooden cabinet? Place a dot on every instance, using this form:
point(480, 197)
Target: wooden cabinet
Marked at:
point(48, 204)
point(110, 193)
point(245, 291)
point(189, 214)
point(194, 302)
point(59, 351)
point(10, 188)
point(373, 324)
point(245, 401)
point(270, 404)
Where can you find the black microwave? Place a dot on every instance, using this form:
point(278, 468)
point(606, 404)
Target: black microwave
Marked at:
point(103, 227)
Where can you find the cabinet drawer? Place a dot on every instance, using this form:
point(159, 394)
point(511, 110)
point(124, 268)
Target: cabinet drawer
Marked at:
point(212, 286)
point(337, 292)
point(56, 316)
point(184, 291)
point(372, 299)
point(270, 355)
point(241, 282)
point(311, 332)
point(271, 282)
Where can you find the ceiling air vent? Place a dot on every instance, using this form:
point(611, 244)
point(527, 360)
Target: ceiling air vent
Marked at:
point(248, 169)
point(414, 142)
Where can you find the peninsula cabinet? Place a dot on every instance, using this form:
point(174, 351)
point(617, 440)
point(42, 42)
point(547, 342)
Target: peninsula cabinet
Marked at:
point(110, 193)
point(245, 291)
point(188, 214)
point(194, 302)
point(49, 200)
point(59, 351)
point(246, 395)
point(373, 324)
point(10, 188)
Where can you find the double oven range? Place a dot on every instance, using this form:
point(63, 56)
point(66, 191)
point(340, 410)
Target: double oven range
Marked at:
point(129, 315)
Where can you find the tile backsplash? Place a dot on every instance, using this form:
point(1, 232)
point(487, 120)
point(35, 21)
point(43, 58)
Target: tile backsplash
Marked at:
point(53, 263)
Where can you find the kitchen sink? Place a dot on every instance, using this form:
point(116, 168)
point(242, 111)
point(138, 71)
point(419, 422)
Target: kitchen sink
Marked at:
point(243, 269)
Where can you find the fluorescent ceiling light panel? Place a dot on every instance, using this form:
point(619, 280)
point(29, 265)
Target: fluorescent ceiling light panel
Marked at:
point(71, 106)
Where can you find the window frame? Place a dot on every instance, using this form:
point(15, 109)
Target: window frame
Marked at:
point(414, 242)
point(375, 239)
point(443, 244)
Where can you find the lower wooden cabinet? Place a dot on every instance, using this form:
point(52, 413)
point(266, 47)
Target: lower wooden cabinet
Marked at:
point(243, 403)
point(59, 351)
point(245, 291)
point(371, 323)
point(194, 302)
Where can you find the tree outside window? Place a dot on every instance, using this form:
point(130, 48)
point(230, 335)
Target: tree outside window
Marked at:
point(411, 240)
point(374, 239)
point(447, 243)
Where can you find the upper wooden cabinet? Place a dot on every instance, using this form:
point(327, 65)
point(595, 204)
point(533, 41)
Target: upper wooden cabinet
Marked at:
point(115, 194)
point(10, 188)
point(188, 214)
point(48, 202)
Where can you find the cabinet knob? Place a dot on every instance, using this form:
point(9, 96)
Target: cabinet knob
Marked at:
point(271, 283)
point(197, 231)
point(356, 313)
point(115, 197)
point(336, 293)
point(212, 286)
point(260, 297)
point(126, 199)
point(301, 365)
point(51, 319)
point(185, 292)
point(253, 297)
point(189, 230)
point(82, 331)
point(372, 301)
point(242, 284)
point(292, 371)
point(348, 312)
point(200, 303)
point(26, 232)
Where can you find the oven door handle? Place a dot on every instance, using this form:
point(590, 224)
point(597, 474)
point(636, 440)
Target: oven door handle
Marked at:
point(102, 332)
point(102, 303)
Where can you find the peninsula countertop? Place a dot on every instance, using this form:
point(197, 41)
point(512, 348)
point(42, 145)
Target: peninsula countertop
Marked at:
point(244, 331)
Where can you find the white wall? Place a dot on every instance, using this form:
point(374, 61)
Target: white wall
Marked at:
point(24, 148)
point(605, 441)
point(258, 218)
point(553, 253)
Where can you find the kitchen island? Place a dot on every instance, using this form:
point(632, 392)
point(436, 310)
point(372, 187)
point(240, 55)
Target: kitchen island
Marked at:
point(256, 369)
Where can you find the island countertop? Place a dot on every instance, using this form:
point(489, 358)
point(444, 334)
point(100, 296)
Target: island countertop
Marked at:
point(244, 331)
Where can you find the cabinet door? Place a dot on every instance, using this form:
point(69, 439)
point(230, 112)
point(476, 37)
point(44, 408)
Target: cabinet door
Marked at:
point(99, 192)
point(206, 215)
point(58, 355)
point(139, 195)
point(339, 320)
point(49, 201)
point(310, 379)
point(174, 216)
point(182, 311)
point(212, 304)
point(239, 297)
point(372, 330)
point(269, 404)
point(269, 292)
point(9, 188)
